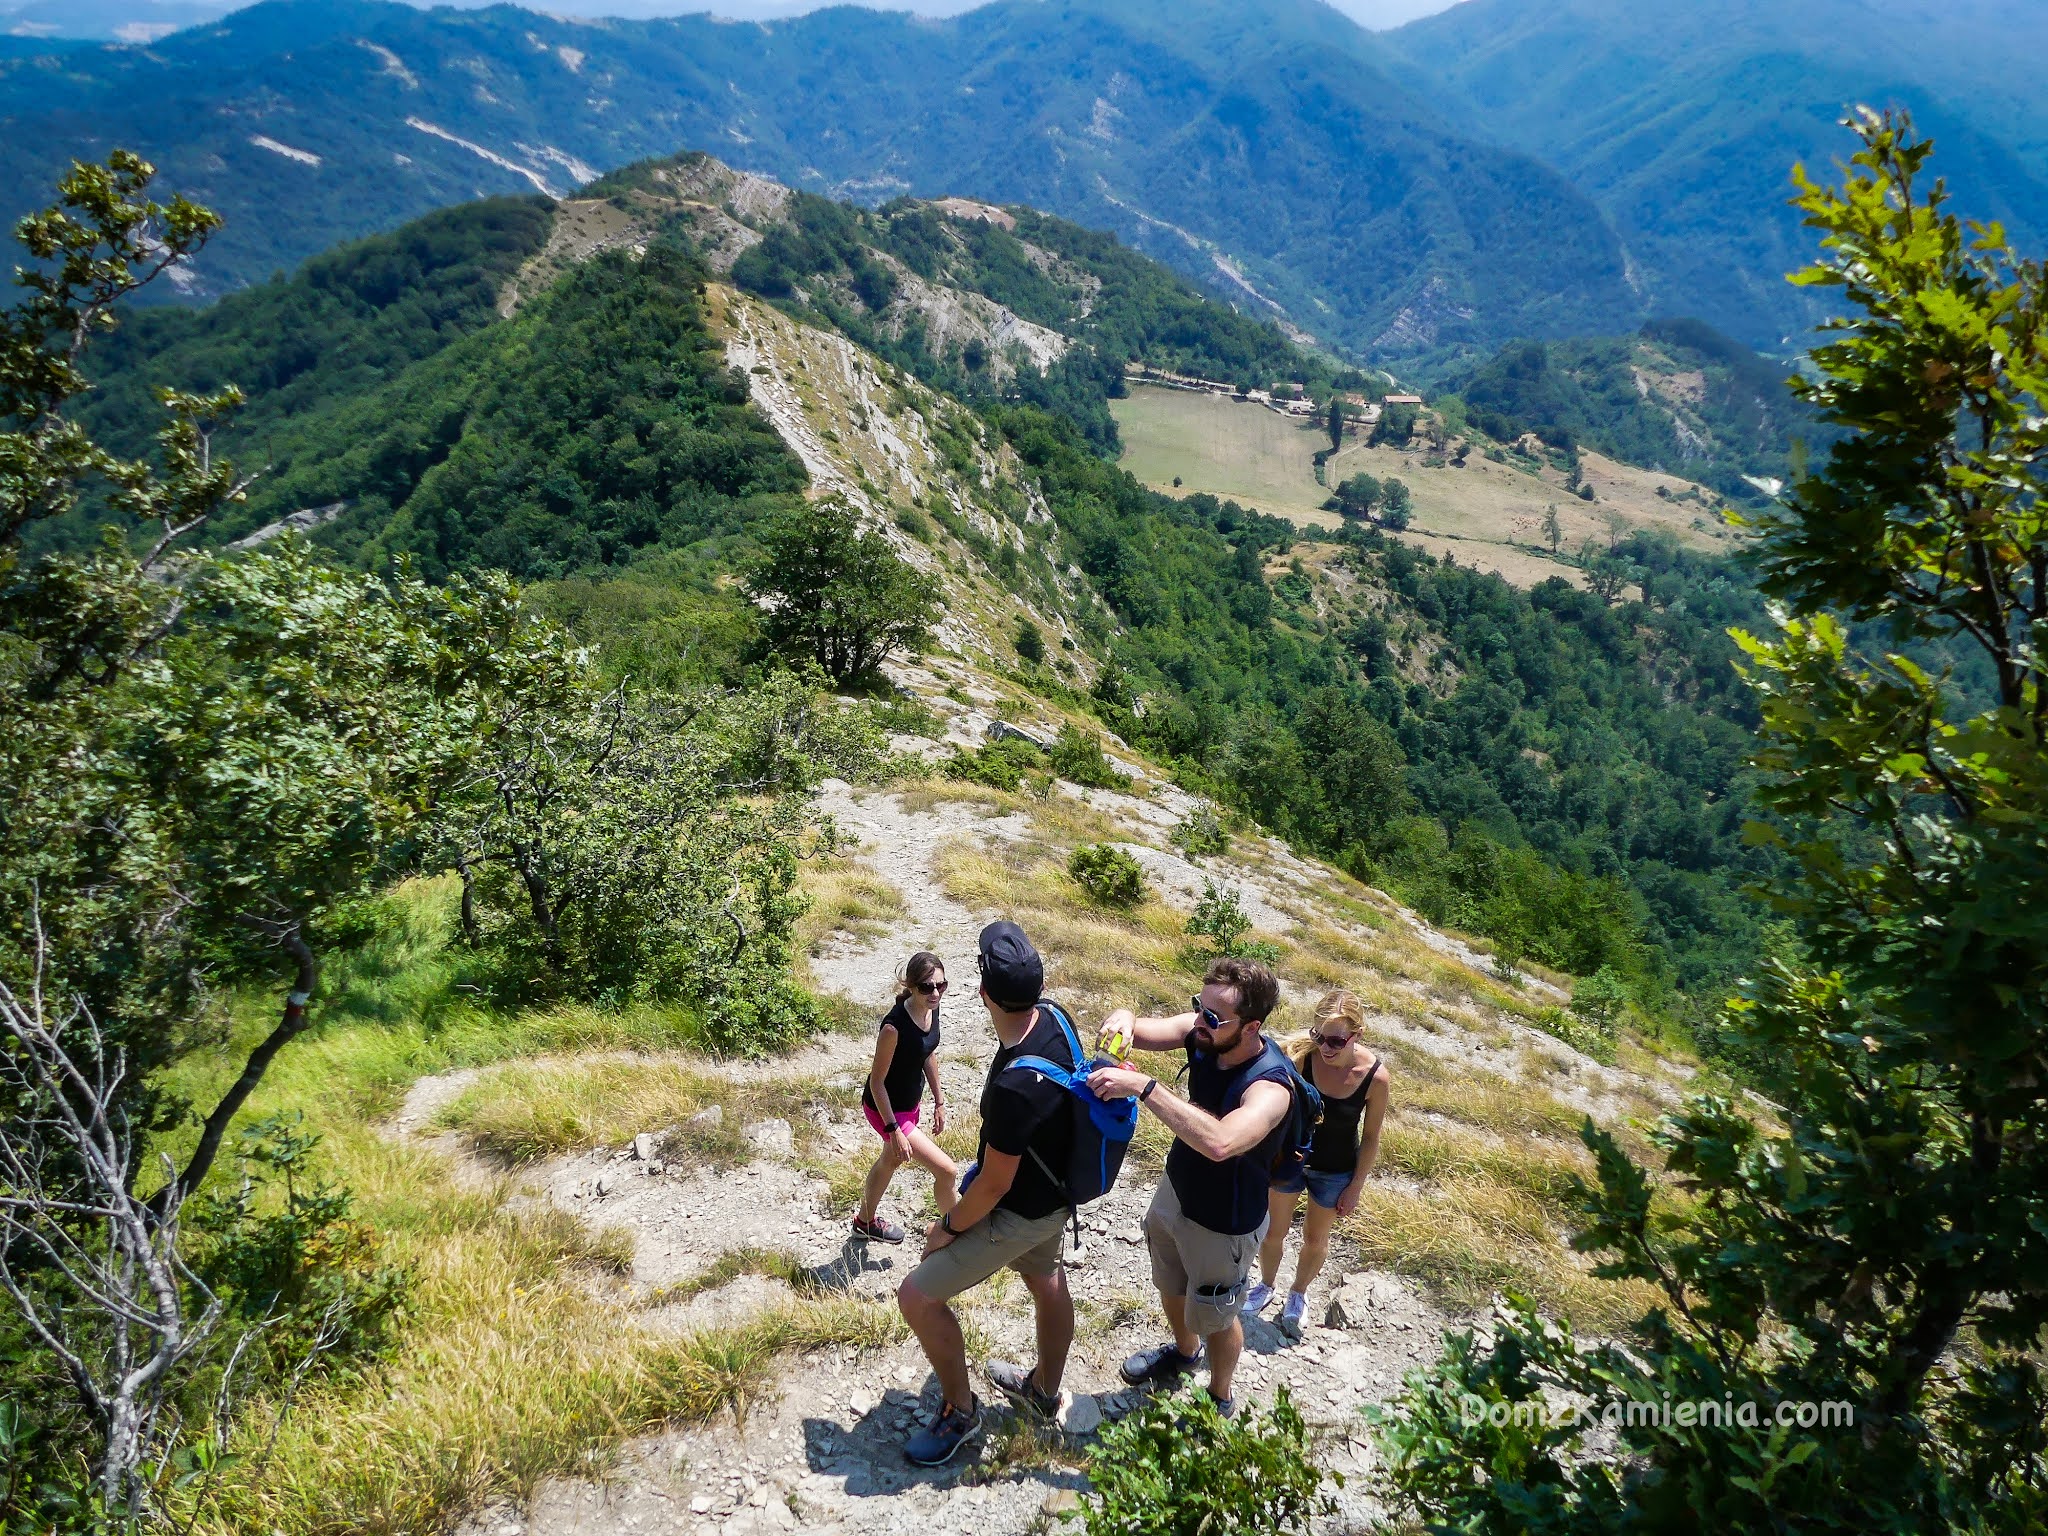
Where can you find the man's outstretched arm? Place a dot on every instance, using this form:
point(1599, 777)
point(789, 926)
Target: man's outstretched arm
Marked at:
point(1165, 1034)
point(1235, 1134)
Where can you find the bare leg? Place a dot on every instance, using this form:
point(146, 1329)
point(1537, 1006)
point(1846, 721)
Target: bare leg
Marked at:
point(938, 1331)
point(1176, 1309)
point(877, 1182)
point(1279, 1217)
point(1315, 1245)
point(1224, 1348)
point(944, 1175)
point(1055, 1307)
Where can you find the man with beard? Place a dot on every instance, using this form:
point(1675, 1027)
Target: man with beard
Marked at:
point(1208, 1216)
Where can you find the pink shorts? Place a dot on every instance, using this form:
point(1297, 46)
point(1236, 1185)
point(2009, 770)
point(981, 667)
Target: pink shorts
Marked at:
point(904, 1122)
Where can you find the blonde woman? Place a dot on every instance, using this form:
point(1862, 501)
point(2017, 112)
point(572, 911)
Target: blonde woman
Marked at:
point(906, 1061)
point(1353, 1082)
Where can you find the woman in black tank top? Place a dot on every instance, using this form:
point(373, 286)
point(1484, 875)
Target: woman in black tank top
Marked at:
point(1353, 1082)
point(906, 1061)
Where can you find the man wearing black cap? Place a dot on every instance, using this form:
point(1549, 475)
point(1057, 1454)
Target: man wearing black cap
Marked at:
point(1012, 1214)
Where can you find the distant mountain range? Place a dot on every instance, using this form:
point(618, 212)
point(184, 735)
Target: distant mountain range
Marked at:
point(1499, 170)
point(1682, 120)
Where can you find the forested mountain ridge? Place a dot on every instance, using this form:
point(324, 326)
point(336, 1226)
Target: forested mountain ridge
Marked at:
point(501, 385)
point(1499, 170)
point(1266, 152)
point(1675, 396)
point(1682, 121)
point(981, 302)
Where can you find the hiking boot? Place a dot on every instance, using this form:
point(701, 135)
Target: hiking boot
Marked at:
point(1256, 1298)
point(1162, 1364)
point(1290, 1315)
point(1225, 1406)
point(938, 1441)
point(1018, 1385)
point(880, 1230)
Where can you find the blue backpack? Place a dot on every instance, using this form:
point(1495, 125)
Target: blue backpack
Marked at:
point(1102, 1127)
point(1304, 1114)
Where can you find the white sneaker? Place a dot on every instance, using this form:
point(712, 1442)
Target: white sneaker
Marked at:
point(1258, 1296)
point(1290, 1315)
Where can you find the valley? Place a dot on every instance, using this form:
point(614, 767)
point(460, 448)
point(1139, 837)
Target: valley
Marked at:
point(1485, 515)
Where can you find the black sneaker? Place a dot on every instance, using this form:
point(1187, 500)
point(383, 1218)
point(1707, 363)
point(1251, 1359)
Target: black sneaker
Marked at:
point(1163, 1364)
point(1016, 1383)
point(938, 1441)
point(880, 1230)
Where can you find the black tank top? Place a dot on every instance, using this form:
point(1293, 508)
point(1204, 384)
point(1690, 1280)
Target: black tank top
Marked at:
point(1335, 1147)
point(904, 1081)
point(1230, 1196)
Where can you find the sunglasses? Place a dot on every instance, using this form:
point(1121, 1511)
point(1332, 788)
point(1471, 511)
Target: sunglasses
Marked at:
point(1210, 1016)
point(1330, 1042)
point(932, 988)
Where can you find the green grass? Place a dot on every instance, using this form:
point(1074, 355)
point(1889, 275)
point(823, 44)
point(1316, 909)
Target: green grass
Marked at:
point(510, 1366)
point(1229, 448)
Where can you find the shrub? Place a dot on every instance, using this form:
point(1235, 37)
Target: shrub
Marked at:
point(1201, 832)
point(1030, 641)
point(1220, 918)
point(1178, 1468)
point(1600, 999)
point(288, 1256)
point(1560, 1024)
point(1108, 874)
point(998, 764)
point(908, 715)
point(1078, 758)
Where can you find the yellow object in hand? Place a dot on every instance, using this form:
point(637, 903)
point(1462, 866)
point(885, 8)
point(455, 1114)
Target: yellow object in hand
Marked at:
point(1113, 1042)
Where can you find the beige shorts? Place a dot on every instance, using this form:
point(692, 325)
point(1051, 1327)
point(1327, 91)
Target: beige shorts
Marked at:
point(1209, 1268)
point(1000, 1240)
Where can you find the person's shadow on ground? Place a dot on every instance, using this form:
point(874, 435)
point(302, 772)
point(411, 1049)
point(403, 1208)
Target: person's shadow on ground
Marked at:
point(869, 1455)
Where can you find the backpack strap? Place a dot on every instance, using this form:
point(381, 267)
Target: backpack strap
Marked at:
point(1065, 1077)
point(1059, 1017)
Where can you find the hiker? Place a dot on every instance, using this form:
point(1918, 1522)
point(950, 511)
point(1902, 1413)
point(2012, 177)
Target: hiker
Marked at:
point(1012, 1210)
point(1209, 1213)
point(906, 1058)
point(1353, 1082)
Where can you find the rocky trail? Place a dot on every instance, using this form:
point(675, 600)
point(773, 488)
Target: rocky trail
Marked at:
point(822, 1450)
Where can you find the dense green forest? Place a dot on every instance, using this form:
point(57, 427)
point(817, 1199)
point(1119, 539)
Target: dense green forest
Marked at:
point(1568, 786)
point(1683, 122)
point(1285, 138)
point(599, 422)
point(838, 264)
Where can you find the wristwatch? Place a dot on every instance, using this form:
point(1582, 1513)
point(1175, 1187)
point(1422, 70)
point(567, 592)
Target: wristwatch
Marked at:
point(1145, 1092)
point(946, 1225)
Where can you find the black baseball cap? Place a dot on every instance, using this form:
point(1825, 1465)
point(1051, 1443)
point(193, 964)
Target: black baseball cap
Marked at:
point(1011, 971)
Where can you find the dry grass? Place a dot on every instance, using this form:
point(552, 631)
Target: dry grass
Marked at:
point(513, 1367)
point(773, 1263)
point(528, 1110)
point(1421, 1083)
point(846, 897)
point(1473, 1213)
point(1095, 959)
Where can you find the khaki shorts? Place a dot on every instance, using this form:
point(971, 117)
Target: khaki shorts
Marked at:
point(1209, 1268)
point(1000, 1240)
